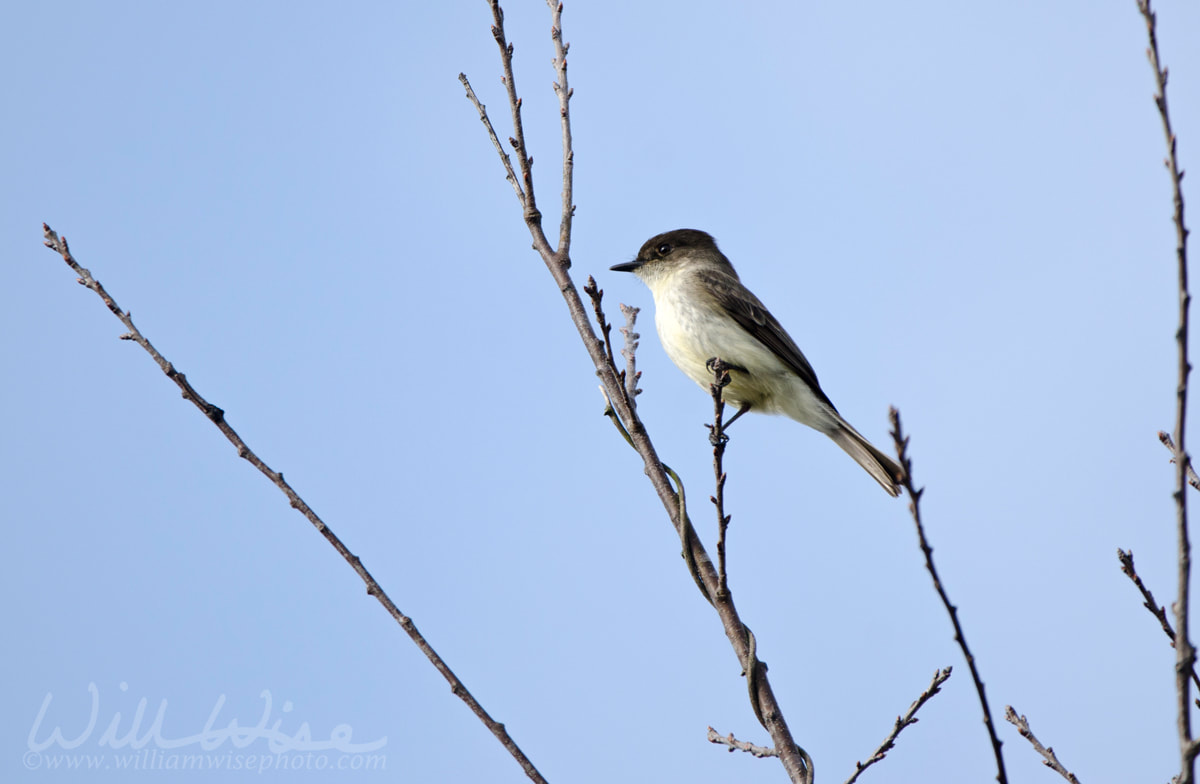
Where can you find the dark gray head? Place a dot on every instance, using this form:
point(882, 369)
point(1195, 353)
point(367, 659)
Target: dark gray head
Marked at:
point(671, 248)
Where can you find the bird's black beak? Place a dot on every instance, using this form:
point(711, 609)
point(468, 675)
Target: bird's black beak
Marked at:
point(628, 266)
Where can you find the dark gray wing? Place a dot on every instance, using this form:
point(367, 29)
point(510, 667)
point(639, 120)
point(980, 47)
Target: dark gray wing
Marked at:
point(754, 317)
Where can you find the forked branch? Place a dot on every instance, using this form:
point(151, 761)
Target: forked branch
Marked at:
point(619, 390)
point(1185, 654)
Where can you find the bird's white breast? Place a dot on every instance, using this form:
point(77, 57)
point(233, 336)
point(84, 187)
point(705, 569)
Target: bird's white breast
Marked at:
point(694, 329)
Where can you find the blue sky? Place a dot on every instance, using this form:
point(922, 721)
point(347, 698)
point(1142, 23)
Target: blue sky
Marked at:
point(960, 211)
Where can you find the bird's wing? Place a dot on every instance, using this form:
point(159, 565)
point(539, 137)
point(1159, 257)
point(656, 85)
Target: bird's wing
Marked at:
point(754, 317)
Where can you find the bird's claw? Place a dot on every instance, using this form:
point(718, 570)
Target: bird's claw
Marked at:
point(714, 439)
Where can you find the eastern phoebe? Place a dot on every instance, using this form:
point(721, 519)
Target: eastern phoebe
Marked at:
point(703, 312)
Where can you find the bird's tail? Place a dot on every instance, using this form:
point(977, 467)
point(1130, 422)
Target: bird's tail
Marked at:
point(881, 467)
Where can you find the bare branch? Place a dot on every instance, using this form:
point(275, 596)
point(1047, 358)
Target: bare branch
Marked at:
point(762, 700)
point(1126, 559)
point(517, 140)
point(795, 761)
point(596, 295)
point(1050, 761)
point(630, 374)
point(718, 439)
point(217, 417)
point(914, 507)
point(739, 745)
point(487, 123)
point(564, 93)
point(939, 677)
point(1185, 654)
point(1159, 612)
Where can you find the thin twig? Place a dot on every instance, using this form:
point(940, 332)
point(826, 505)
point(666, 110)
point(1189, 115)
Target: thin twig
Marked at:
point(1126, 559)
point(1185, 654)
point(1165, 438)
point(596, 295)
point(1047, 752)
point(889, 743)
point(740, 745)
point(914, 507)
point(564, 93)
point(511, 176)
point(795, 760)
point(1158, 611)
point(718, 439)
point(630, 374)
point(217, 417)
point(517, 140)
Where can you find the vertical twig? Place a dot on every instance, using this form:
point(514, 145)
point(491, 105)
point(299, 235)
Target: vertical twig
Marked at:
point(914, 506)
point(718, 439)
point(1185, 654)
point(564, 93)
point(517, 140)
point(630, 375)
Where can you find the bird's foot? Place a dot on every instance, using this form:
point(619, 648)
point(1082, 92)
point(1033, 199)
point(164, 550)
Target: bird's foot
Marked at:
point(714, 439)
point(718, 365)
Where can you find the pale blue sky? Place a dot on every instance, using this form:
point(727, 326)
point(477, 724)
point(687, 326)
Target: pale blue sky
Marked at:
point(957, 210)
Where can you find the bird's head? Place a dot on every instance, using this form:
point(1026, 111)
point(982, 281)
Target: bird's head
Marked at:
point(666, 253)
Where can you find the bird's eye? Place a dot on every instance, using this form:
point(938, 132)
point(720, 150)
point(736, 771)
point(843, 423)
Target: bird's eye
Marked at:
point(664, 249)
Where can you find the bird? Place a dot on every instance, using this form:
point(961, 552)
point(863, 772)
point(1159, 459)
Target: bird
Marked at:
point(703, 313)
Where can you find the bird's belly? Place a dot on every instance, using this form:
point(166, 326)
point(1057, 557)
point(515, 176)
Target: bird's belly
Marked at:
point(692, 336)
